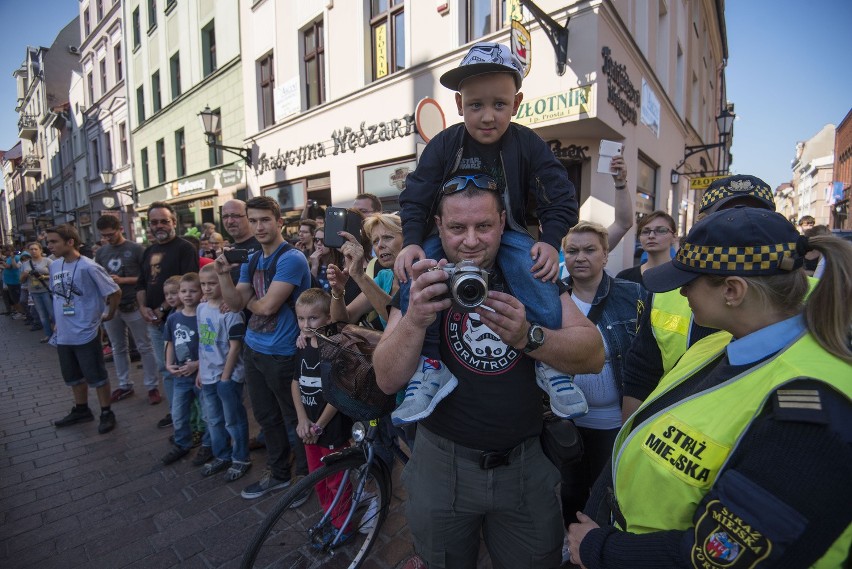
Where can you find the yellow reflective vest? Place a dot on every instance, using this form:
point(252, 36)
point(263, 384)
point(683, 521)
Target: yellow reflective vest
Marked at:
point(671, 322)
point(663, 467)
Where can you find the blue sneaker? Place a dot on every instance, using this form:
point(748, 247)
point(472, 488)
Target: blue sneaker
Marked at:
point(322, 540)
point(566, 399)
point(426, 388)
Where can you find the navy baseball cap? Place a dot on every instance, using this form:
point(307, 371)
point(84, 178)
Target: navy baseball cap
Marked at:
point(742, 241)
point(484, 57)
point(737, 187)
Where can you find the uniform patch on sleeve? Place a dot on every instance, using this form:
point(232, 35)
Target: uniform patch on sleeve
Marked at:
point(800, 405)
point(724, 541)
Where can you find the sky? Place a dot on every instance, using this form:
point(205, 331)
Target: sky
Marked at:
point(789, 72)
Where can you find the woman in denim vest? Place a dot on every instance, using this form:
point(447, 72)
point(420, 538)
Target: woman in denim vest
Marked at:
point(612, 305)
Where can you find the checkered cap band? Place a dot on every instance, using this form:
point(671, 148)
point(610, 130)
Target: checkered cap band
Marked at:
point(737, 188)
point(762, 259)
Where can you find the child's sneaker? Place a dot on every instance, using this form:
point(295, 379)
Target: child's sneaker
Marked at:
point(426, 388)
point(566, 399)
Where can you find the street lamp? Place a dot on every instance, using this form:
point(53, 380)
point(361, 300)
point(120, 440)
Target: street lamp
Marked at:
point(725, 124)
point(210, 124)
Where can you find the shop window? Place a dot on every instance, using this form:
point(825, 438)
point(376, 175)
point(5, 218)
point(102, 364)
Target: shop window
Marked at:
point(646, 187)
point(266, 90)
point(146, 178)
point(387, 33)
point(484, 17)
point(174, 68)
point(180, 152)
point(314, 65)
point(208, 48)
point(161, 161)
point(119, 70)
point(386, 180)
point(155, 92)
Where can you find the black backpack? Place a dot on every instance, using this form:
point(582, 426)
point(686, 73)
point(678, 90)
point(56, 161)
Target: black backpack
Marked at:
point(269, 272)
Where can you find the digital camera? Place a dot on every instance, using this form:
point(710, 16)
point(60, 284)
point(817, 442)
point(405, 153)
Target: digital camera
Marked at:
point(468, 284)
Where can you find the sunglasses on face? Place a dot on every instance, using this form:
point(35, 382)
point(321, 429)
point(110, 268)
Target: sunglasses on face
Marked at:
point(459, 183)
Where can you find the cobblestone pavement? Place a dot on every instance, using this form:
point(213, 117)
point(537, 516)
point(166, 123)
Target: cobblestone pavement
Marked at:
point(73, 498)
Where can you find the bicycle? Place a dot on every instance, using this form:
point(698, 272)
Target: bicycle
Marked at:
point(307, 536)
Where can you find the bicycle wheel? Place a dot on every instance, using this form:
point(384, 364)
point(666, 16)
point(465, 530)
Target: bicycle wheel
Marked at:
point(306, 538)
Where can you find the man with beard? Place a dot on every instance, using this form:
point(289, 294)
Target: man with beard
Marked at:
point(477, 467)
point(168, 256)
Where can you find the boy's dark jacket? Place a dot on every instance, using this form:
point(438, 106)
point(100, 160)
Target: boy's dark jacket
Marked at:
point(528, 163)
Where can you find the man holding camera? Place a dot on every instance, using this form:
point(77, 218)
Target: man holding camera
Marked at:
point(477, 466)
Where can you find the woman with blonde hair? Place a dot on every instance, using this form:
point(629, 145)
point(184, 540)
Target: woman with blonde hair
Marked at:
point(742, 455)
point(385, 233)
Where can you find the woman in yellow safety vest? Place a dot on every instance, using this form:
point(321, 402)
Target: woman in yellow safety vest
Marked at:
point(742, 456)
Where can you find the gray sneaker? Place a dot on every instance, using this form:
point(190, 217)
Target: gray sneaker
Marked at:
point(426, 388)
point(267, 483)
point(566, 399)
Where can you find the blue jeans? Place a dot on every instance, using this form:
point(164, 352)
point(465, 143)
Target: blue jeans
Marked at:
point(540, 299)
point(226, 417)
point(183, 394)
point(44, 307)
point(158, 343)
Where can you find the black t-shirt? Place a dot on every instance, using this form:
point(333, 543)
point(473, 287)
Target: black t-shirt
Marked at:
point(307, 376)
point(485, 158)
point(497, 403)
point(633, 274)
point(177, 257)
point(123, 260)
point(251, 245)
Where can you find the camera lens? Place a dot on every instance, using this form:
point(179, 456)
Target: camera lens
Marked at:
point(470, 292)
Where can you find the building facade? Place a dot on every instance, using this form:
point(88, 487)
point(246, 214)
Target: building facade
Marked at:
point(43, 80)
point(332, 91)
point(105, 135)
point(182, 57)
point(813, 171)
point(842, 183)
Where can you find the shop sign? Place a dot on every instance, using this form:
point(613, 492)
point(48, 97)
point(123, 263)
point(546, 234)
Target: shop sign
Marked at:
point(703, 182)
point(650, 109)
point(573, 102)
point(212, 180)
point(572, 152)
point(347, 139)
point(287, 101)
point(620, 92)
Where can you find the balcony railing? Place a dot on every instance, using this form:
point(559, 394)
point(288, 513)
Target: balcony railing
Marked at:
point(27, 127)
point(31, 166)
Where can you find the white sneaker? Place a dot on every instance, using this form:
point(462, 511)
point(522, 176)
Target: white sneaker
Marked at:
point(426, 388)
point(368, 520)
point(566, 399)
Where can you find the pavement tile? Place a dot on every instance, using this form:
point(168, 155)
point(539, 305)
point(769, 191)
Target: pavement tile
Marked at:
point(71, 498)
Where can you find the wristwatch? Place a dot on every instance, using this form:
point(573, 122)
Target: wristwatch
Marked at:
point(535, 338)
point(162, 309)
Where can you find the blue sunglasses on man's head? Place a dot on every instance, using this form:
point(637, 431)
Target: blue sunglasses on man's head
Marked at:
point(459, 183)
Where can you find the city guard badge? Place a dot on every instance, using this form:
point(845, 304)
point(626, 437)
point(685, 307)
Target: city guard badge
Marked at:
point(723, 540)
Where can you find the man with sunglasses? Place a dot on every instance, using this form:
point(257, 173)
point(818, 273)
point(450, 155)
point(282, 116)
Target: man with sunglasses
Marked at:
point(490, 152)
point(477, 467)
